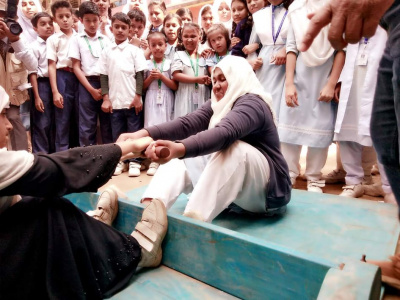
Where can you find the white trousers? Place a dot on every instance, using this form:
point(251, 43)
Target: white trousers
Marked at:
point(315, 160)
point(368, 159)
point(356, 159)
point(237, 174)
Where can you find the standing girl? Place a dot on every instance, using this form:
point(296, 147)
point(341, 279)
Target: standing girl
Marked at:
point(222, 12)
point(241, 27)
point(185, 14)
point(205, 20)
point(253, 48)
point(218, 38)
point(157, 12)
point(26, 10)
point(172, 23)
point(307, 114)
point(270, 28)
point(189, 69)
point(159, 103)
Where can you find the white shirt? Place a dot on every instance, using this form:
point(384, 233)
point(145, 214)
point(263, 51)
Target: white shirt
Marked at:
point(58, 48)
point(88, 50)
point(121, 63)
point(24, 53)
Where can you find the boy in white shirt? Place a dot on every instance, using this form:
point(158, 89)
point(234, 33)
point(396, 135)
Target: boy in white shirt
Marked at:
point(63, 81)
point(121, 67)
point(85, 49)
point(42, 113)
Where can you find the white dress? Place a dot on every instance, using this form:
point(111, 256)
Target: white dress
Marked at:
point(187, 99)
point(358, 84)
point(157, 111)
point(312, 122)
point(271, 76)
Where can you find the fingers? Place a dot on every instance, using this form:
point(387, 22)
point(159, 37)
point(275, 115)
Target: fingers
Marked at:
point(353, 32)
point(369, 27)
point(318, 21)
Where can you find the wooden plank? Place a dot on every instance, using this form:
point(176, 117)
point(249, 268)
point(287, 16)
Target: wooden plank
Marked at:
point(237, 263)
point(165, 283)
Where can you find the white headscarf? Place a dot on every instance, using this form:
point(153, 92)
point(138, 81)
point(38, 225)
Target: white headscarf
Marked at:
point(201, 11)
point(13, 164)
point(241, 80)
point(321, 49)
point(215, 7)
point(28, 33)
point(143, 7)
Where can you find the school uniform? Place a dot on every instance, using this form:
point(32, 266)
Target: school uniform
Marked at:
point(121, 63)
point(43, 124)
point(311, 123)
point(273, 39)
point(67, 83)
point(213, 60)
point(358, 78)
point(88, 49)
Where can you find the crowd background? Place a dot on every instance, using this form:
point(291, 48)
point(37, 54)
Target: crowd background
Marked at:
point(65, 71)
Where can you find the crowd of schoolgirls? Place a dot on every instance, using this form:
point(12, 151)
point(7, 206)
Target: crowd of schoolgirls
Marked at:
point(145, 66)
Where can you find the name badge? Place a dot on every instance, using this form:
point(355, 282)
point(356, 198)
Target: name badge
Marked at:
point(196, 97)
point(159, 97)
point(362, 59)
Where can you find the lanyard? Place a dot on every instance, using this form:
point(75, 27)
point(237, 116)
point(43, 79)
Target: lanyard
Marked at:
point(90, 48)
point(196, 71)
point(161, 70)
point(221, 57)
point(275, 36)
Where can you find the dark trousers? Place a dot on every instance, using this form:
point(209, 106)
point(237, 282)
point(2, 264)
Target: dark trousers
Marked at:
point(385, 121)
point(66, 117)
point(89, 109)
point(42, 123)
point(126, 120)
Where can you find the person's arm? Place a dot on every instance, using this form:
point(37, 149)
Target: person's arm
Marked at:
point(137, 102)
point(179, 128)
point(250, 113)
point(26, 55)
point(76, 65)
point(106, 106)
point(56, 174)
point(328, 92)
point(38, 101)
point(184, 78)
point(350, 21)
point(291, 59)
point(57, 97)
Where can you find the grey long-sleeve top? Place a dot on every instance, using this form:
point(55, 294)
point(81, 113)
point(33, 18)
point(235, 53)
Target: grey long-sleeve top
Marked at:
point(251, 121)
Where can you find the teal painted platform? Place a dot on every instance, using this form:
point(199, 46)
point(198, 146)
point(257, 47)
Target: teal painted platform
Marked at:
point(289, 257)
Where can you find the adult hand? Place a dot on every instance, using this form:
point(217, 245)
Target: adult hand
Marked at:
point(353, 18)
point(176, 150)
point(133, 135)
point(4, 30)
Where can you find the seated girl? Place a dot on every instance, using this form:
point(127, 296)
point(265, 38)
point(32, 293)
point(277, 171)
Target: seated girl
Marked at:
point(49, 248)
point(237, 128)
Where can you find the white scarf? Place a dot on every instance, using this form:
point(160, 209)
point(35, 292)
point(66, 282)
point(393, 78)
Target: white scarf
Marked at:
point(142, 7)
point(201, 11)
point(28, 33)
point(241, 80)
point(321, 49)
point(13, 164)
point(215, 7)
